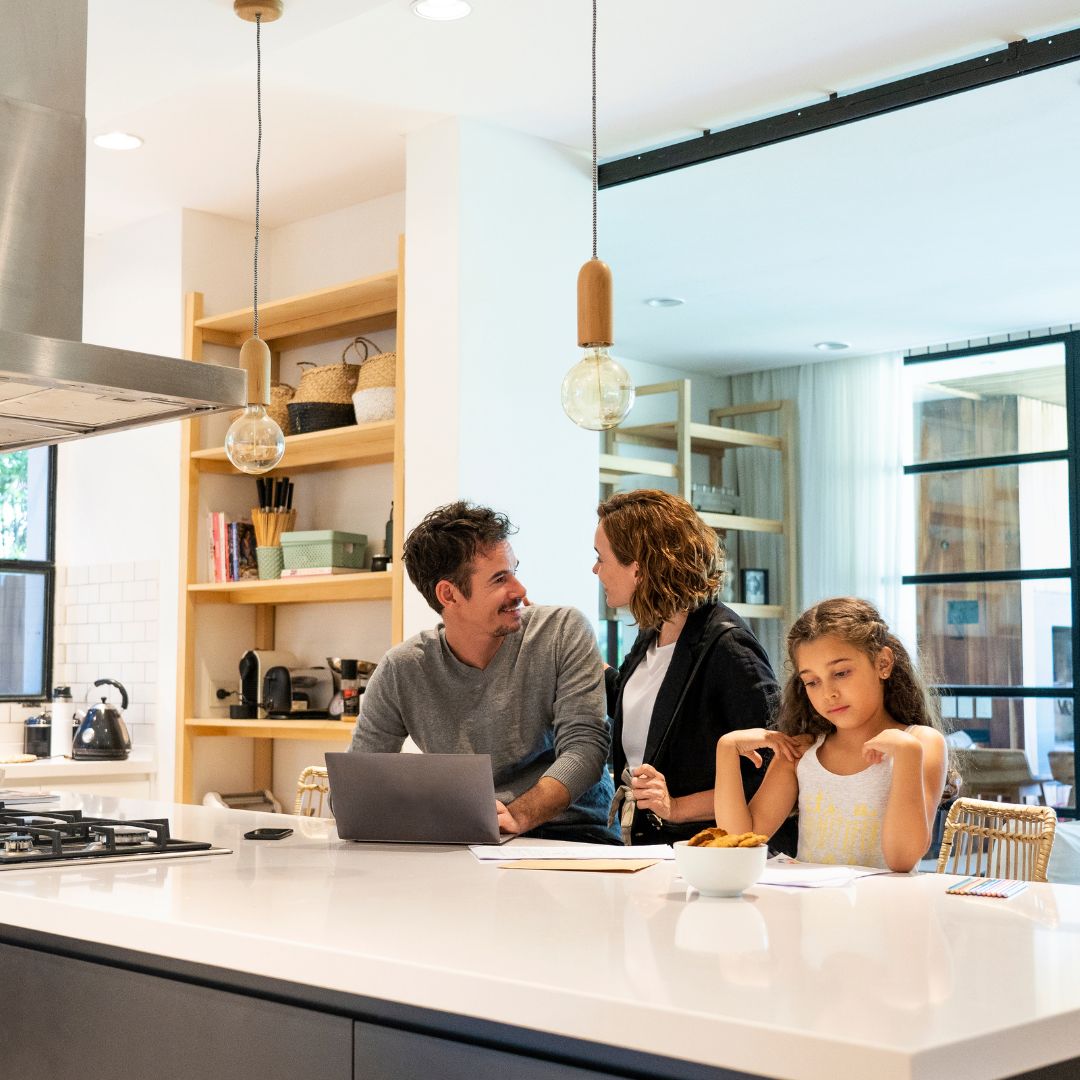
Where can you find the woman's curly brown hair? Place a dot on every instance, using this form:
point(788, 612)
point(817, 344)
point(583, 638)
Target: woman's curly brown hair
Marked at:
point(908, 699)
point(679, 558)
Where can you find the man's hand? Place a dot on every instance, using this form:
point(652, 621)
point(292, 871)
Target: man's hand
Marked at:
point(545, 800)
point(507, 821)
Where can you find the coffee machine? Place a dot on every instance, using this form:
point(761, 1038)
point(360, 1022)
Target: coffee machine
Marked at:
point(255, 665)
point(298, 693)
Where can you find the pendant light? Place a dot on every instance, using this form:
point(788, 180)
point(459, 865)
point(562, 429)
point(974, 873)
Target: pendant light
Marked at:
point(254, 442)
point(597, 392)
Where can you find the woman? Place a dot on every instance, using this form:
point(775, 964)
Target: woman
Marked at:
point(694, 673)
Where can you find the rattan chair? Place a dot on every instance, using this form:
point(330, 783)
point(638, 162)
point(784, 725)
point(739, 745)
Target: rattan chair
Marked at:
point(312, 789)
point(992, 839)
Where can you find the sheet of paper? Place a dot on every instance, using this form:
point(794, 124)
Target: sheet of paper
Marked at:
point(610, 866)
point(513, 852)
point(782, 871)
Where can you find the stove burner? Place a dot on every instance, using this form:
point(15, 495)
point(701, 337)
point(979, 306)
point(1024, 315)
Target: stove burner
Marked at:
point(122, 835)
point(28, 839)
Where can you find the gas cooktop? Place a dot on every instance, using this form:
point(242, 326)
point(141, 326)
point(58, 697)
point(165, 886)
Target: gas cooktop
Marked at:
point(54, 837)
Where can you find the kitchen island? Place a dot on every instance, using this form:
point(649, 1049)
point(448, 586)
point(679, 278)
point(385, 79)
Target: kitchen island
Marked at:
point(310, 957)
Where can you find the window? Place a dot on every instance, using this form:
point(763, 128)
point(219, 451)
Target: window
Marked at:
point(27, 571)
point(995, 586)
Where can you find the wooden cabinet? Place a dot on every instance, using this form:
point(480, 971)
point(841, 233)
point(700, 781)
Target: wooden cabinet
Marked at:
point(357, 307)
point(685, 439)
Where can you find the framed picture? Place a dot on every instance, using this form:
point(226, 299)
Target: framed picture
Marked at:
point(755, 586)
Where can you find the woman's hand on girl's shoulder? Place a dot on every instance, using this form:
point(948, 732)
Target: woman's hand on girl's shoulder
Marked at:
point(748, 741)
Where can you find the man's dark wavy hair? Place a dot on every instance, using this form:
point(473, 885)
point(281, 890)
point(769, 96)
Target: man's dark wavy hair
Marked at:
point(444, 545)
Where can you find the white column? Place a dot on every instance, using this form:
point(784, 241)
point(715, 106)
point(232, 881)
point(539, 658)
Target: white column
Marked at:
point(497, 225)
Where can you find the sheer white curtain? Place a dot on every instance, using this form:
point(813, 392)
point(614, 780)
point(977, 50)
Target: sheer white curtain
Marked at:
point(851, 420)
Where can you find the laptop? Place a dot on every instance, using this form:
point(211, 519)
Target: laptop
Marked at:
point(414, 798)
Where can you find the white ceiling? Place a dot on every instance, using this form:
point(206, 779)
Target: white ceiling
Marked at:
point(941, 222)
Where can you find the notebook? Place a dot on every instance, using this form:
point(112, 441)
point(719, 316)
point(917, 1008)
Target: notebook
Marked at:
point(414, 798)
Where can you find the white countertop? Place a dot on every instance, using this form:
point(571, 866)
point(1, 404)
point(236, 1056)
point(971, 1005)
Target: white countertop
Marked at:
point(888, 978)
point(137, 763)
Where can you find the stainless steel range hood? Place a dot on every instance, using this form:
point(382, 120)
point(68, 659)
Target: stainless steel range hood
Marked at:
point(52, 386)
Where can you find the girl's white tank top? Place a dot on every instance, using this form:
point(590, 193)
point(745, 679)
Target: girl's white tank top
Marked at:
point(840, 817)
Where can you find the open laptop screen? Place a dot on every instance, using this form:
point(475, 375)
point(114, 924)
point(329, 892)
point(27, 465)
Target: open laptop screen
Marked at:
point(413, 798)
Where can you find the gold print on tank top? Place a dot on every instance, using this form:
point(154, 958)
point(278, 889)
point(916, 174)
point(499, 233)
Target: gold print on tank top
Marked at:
point(830, 837)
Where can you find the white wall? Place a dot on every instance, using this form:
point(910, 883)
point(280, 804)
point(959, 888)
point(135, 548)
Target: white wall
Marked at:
point(497, 226)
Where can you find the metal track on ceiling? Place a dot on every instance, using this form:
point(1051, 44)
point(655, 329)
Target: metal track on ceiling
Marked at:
point(1016, 59)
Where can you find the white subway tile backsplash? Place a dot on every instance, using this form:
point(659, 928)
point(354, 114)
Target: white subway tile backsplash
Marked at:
point(107, 624)
point(133, 590)
point(142, 650)
point(123, 613)
point(113, 592)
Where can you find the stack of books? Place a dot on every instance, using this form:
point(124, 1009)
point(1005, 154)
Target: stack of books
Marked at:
point(232, 549)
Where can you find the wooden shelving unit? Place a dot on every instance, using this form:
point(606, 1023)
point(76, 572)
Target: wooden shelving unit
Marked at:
point(356, 307)
point(715, 439)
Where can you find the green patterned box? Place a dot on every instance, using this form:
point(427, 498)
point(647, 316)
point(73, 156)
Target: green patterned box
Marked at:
point(323, 547)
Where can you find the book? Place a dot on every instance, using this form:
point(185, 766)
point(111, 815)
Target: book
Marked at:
point(242, 561)
point(320, 571)
point(218, 566)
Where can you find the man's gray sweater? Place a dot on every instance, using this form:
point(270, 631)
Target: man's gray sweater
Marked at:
point(538, 708)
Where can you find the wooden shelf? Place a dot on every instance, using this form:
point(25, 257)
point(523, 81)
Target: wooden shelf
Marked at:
point(740, 521)
point(338, 730)
point(704, 438)
point(616, 464)
point(758, 611)
point(337, 448)
point(302, 590)
point(355, 307)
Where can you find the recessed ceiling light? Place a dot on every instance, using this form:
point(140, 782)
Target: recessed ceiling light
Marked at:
point(831, 346)
point(118, 140)
point(441, 10)
point(664, 301)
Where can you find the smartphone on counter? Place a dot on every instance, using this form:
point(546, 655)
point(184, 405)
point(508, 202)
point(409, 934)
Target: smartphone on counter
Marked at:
point(267, 834)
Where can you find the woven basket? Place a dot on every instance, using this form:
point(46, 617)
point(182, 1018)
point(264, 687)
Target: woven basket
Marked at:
point(330, 384)
point(278, 409)
point(308, 416)
point(376, 368)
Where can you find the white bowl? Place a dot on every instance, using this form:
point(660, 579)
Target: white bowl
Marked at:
point(717, 871)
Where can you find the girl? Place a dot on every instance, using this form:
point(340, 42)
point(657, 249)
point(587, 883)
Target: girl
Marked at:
point(858, 747)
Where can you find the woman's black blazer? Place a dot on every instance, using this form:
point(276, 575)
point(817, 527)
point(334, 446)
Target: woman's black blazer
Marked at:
point(719, 679)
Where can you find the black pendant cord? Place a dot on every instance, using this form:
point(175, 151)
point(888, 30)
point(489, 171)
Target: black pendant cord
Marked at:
point(258, 161)
point(594, 169)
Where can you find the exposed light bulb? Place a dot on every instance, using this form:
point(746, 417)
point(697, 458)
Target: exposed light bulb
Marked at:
point(597, 392)
point(254, 443)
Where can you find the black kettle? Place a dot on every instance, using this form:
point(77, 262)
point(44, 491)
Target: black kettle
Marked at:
point(102, 734)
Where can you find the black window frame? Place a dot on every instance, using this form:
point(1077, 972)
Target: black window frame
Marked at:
point(47, 568)
point(1071, 455)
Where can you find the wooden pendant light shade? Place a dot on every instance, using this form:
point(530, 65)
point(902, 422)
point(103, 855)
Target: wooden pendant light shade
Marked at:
point(270, 10)
point(594, 297)
point(255, 360)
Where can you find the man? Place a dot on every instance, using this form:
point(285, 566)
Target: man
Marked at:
point(497, 676)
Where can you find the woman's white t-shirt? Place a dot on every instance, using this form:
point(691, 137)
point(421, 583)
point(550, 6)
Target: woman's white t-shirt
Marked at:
point(639, 697)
